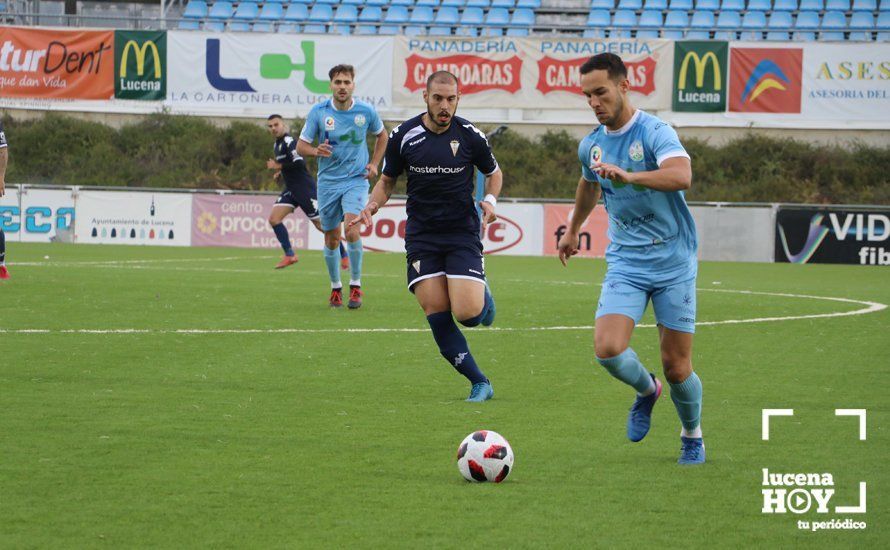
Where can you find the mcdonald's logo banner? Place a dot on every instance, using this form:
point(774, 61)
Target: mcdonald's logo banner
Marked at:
point(140, 65)
point(700, 76)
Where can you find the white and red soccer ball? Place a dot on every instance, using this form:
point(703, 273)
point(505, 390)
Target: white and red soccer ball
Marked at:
point(485, 456)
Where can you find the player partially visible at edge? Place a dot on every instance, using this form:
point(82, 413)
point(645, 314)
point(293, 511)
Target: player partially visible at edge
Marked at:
point(638, 162)
point(340, 125)
point(446, 271)
point(299, 190)
point(4, 155)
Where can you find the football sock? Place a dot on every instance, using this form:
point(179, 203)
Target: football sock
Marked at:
point(342, 250)
point(474, 321)
point(281, 233)
point(626, 367)
point(355, 259)
point(453, 346)
point(332, 261)
point(2, 247)
point(687, 397)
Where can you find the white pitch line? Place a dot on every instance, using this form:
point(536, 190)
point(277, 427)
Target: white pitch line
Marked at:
point(133, 262)
point(871, 307)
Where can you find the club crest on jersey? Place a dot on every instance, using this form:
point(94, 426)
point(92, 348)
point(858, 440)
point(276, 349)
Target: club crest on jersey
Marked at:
point(359, 120)
point(596, 155)
point(416, 266)
point(636, 151)
point(454, 145)
point(329, 124)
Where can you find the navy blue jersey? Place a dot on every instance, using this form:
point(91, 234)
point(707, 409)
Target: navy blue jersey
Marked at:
point(440, 174)
point(293, 167)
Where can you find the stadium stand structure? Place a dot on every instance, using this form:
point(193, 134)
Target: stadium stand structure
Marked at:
point(754, 20)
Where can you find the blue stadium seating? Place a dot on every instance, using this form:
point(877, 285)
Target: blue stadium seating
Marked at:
point(472, 16)
point(292, 28)
point(712, 5)
point(726, 22)
point(673, 34)
point(414, 30)
point(837, 5)
point(366, 29)
point(389, 30)
point(278, 1)
point(196, 9)
point(831, 36)
point(406, 3)
point(428, 3)
point(188, 25)
point(593, 33)
point(439, 31)
point(780, 21)
point(650, 19)
point(446, 16)
point(478, 3)
point(221, 10)
point(812, 5)
point(807, 21)
point(239, 26)
point(885, 5)
point(785, 5)
point(523, 16)
point(497, 16)
point(315, 28)
point(630, 4)
point(215, 26)
point(598, 18)
point(396, 15)
point(676, 19)
point(327, 2)
point(509, 4)
point(491, 31)
point(702, 20)
point(262, 26)
point(320, 13)
point(602, 4)
point(624, 19)
point(454, 3)
point(296, 12)
point(760, 5)
point(865, 5)
point(656, 5)
point(271, 12)
point(370, 14)
point(421, 15)
point(467, 31)
point(528, 4)
point(346, 13)
point(697, 35)
point(834, 21)
point(684, 5)
point(647, 33)
point(246, 11)
point(350, 2)
point(883, 23)
point(517, 32)
point(862, 21)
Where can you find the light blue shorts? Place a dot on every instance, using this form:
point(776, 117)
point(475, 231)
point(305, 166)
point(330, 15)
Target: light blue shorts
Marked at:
point(337, 200)
point(674, 304)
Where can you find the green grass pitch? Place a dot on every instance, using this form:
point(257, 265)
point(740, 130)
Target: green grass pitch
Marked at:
point(333, 438)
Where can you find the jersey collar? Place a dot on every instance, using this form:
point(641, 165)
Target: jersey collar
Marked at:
point(624, 129)
point(336, 110)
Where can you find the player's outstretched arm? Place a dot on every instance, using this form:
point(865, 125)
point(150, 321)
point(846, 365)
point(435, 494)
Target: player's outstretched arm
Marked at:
point(379, 196)
point(377, 157)
point(674, 174)
point(586, 197)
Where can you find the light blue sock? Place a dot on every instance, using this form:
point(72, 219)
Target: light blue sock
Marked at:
point(687, 396)
point(355, 259)
point(626, 366)
point(332, 261)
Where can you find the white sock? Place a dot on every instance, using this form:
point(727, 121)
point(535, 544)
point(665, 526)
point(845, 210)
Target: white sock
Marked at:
point(650, 390)
point(694, 434)
point(336, 285)
point(355, 282)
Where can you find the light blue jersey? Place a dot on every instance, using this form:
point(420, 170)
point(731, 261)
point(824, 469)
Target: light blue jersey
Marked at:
point(346, 132)
point(652, 233)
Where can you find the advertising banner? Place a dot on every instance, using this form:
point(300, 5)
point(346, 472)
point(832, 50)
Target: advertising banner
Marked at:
point(122, 217)
point(846, 81)
point(242, 220)
point(531, 73)
point(47, 214)
point(700, 71)
point(56, 64)
point(832, 236)
point(11, 214)
point(140, 65)
point(258, 74)
point(765, 80)
point(593, 235)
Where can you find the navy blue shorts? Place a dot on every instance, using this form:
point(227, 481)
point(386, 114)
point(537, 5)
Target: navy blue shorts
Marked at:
point(304, 197)
point(460, 260)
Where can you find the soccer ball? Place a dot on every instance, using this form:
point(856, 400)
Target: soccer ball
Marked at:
point(485, 456)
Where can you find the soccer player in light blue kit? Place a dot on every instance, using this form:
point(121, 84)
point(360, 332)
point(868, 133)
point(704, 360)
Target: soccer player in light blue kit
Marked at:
point(340, 126)
point(642, 169)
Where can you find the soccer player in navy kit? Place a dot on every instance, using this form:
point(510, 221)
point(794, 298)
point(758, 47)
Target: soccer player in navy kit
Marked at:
point(299, 189)
point(442, 235)
point(641, 167)
point(4, 155)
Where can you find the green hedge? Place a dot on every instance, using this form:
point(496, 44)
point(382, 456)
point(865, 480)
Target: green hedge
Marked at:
point(189, 152)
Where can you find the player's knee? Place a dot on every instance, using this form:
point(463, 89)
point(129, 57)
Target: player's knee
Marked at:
point(677, 368)
point(606, 348)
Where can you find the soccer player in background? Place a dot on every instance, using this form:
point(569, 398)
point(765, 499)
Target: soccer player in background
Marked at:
point(340, 125)
point(446, 271)
point(4, 156)
point(642, 169)
point(299, 190)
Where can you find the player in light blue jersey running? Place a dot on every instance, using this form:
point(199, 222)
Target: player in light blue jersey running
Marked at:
point(340, 126)
point(642, 169)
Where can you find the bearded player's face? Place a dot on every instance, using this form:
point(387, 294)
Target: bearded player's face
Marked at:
point(441, 102)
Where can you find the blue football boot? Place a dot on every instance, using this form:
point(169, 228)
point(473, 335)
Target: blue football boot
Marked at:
point(481, 392)
point(640, 416)
point(489, 315)
point(692, 450)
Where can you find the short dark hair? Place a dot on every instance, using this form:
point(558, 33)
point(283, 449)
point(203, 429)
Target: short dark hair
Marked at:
point(337, 69)
point(441, 77)
point(275, 116)
point(606, 62)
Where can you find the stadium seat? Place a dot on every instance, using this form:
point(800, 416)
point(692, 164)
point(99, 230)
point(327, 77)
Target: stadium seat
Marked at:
point(491, 31)
point(262, 26)
point(834, 21)
point(624, 19)
point(446, 16)
point(454, 3)
point(342, 29)
point(346, 13)
point(517, 32)
point(884, 37)
point(812, 5)
point(377, 3)
point(599, 18)
point(681, 5)
point(650, 19)
point(710, 5)
point(676, 20)
point(865, 5)
point(528, 4)
point(777, 36)
point(271, 12)
point(221, 10)
point(332, 2)
point(862, 21)
point(807, 21)
point(780, 21)
point(509, 4)
point(421, 15)
point(859, 36)
point(389, 30)
point(366, 29)
point(837, 5)
point(655, 5)
point(396, 15)
point(467, 31)
point(831, 36)
point(885, 5)
point(523, 16)
point(406, 3)
point(320, 13)
point(727, 22)
point(289, 28)
point(239, 26)
point(478, 3)
point(672, 34)
point(593, 33)
point(188, 25)
point(440, 31)
point(414, 30)
point(497, 16)
point(283, 1)
point(472, 16)
point(697, 35)
point(246, 11)
point(195, 9)
point(760, 5)
point(315, 28)
point(732, 5)
point(785, 5)
point(296, 12)
point(602, 4)
point(803, 36)
point(646, 34)
point(630, 4)
point(428, 3)
point(702, 20)
point(753, 22)
point(215, 26)
point(370, 14)
point(352, 2)
point(883, 23)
